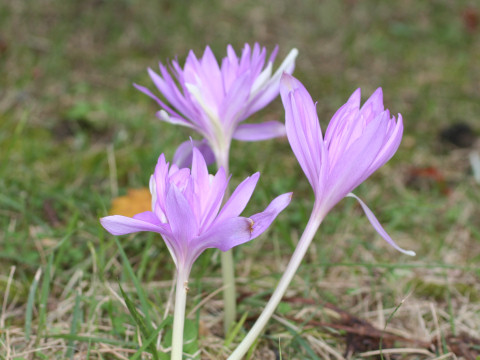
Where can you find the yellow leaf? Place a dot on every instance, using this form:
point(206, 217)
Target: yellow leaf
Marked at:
point(136, 201)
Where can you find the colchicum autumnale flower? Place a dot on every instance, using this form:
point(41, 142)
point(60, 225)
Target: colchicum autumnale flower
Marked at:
point(357, 142)
point(215, 99)
point(187, 212)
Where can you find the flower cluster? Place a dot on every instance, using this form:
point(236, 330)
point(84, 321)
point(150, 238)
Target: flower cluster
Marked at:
point(215, 99)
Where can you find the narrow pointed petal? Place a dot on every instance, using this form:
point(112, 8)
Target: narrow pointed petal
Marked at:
point(262, 131)
point(263, 220)
point(176, 115)
point(239, 199)
point(121, 225)
point(270, 88)
point(303, 129)
point(378, 228)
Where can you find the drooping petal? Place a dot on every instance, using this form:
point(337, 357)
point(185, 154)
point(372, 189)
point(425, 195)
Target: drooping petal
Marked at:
point(121, 225)
point(239, 199)
point(262, 131)
point(378, 228)
point(263, 220)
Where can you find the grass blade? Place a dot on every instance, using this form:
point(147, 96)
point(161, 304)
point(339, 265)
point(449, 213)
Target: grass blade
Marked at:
point(136, 283)
point(42, 312)
point(145, 329)
point(30, 303)
point(73, 329)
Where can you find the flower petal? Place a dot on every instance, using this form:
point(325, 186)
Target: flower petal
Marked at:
point(376, 225)
point(181, 219)
point(270, 89)
point(178, 118)
point(303, 129)
point(183, 154)
point(239, 199)
point(262, 131)
point(225, 235)
point(262, 221)
point(121, 225)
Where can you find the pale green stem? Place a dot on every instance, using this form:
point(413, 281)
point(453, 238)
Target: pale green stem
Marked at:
point(296, 259)
point(229, 291)
point(228, 270)
point(179, 314)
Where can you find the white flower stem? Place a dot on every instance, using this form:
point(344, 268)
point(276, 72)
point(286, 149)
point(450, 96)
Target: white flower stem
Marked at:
point(307, 236)
point(228, 270)
point(179, 314)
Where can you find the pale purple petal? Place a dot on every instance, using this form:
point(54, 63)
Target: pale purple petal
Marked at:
point(376, 225)
point(233, 104)
point(225, 235)
point(181, 218)
point(239, 199)
point(303, 128)
point(263, 220)
point(121, 225)
point(352, 168)
point(262, 131)
point(148, 216)
point(183, 154)
point(211, 204)
point(178, 118)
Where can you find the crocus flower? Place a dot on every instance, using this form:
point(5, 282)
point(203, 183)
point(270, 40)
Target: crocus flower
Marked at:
point(215, 99)
point(357, 142)
point(187, 212)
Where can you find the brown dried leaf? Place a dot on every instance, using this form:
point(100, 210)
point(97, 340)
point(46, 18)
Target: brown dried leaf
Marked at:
point(136, 201)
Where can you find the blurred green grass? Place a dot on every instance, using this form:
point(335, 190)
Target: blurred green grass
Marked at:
point(67, 102)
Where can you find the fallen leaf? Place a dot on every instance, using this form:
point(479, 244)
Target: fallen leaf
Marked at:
point(136, 201)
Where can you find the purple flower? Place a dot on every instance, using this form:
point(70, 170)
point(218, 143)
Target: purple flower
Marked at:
point(214, 100)
point(187, 213)
point(358, 141)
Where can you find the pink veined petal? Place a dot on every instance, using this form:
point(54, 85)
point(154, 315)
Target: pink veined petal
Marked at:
point(263, 220)
point(121, 225)
point(262, 131)
point(183, 154)
point(376, 225)
point(181, 219)
point(239, 199)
